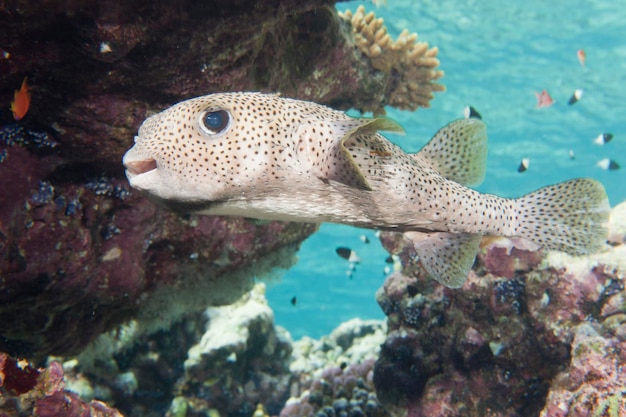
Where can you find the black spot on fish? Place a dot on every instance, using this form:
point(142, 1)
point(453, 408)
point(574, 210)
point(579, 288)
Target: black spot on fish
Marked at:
point(294, 300)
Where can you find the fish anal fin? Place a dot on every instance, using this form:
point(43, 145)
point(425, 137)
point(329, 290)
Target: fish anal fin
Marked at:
point(447, 257)
point(322, 148)
point(458, 151)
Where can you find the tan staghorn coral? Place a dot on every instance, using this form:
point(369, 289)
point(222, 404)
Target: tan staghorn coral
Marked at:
point(412, 65)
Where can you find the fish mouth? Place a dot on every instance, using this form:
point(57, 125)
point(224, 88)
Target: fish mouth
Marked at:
point(140, 167)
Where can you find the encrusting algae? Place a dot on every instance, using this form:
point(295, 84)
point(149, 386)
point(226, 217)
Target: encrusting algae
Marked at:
point(414, 62)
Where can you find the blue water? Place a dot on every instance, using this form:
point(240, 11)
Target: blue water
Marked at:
point(495, 55)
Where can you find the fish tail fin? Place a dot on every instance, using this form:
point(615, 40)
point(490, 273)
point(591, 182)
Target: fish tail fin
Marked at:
point(571, 217)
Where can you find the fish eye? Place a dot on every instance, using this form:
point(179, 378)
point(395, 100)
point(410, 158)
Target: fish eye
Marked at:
point(214, 122)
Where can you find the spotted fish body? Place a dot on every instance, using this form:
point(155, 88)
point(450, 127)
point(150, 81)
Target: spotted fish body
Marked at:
point(266, 157)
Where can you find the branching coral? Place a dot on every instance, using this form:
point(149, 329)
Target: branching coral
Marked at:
point(411, 64)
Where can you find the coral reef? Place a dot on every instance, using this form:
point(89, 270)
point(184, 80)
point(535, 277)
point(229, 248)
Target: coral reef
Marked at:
point(525, 335)
point(240, 361)
point(26, 391)
point(339, 391)
point(411, 65)
point(594, 382)
point(97, 69)
point(233, 361)
point(353, 341)
point(79, 252)
point(333, 376)
point(617, 225)
point(224, 361)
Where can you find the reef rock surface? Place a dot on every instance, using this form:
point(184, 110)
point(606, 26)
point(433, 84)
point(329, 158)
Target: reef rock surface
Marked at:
point(27, 391)
point(333, 376)
point(526, 335)
point(228, 360)
point(78, 259)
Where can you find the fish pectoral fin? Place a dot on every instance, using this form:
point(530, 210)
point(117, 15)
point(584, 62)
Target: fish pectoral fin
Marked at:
point(321, 147)
point(447, 257)
point(458, 151)
point(342, 167)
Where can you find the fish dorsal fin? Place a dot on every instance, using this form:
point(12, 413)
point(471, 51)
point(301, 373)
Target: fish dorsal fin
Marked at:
point(322, 148)
point(458, 151)
point(447, 257)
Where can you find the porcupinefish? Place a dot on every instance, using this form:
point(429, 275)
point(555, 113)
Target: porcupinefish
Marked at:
point(266, 157)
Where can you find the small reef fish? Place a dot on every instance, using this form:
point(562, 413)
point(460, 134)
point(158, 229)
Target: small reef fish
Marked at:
point(266, 157)
point(603, 138)
point(582, 57)
point(471, 113)
point(21, 101)
point(523, 165)
point(608, 164)
point(348, 254)
point(260, 411)
point(544, 99)
point(577, 95)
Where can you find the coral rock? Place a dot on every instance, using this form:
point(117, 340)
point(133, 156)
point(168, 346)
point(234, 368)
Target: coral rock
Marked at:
point(504, 346)
point(333, 376)
point(617, 225)
point(414, 62)
point(504, 257)
point(41, 393)
point(593, 384)
point(241, 360)
point(80, 254)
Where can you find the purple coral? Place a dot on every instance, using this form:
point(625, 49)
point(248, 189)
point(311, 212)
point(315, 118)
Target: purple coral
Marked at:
point(594, 383)
point(339, 392)
point(41, 393)
point(499, 345)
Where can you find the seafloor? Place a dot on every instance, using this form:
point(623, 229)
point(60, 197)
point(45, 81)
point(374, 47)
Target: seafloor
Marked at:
point(112, 306)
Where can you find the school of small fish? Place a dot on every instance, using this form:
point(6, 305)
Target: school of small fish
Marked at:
point(544, 99)
point(266, 157)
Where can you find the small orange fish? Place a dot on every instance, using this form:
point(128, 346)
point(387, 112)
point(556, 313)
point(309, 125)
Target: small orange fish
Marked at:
point(582, 56)
point(544, 99)
point(21, 101)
